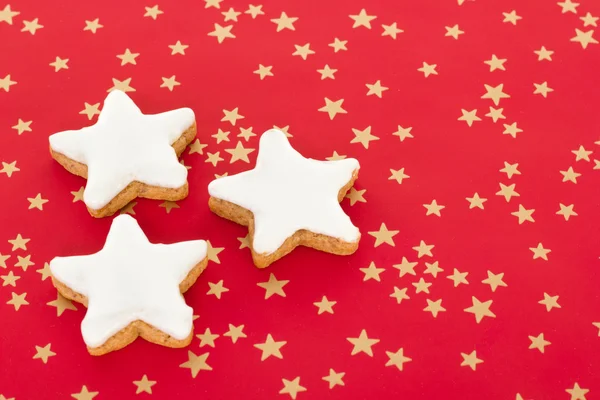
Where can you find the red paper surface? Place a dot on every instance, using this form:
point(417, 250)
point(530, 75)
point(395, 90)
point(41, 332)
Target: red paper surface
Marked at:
point(446, 160)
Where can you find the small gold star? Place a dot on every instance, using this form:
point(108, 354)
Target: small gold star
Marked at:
point(403, 133)
point(197, 147)
point(284, 22)
point(168, 206)
point(213, 252)
point(584, 38)
point(327, 72)
point(31, 26)
point(406, 267)
point(235, 332)
point(588, 19)
point(196, 363)
point(303, 51)
point(6, 83)
point(169, 83)
point(3, 259)
point(22, 126)
point(428, 69)
point(496, 63)
point(495, 93)
point(263, 71)
point(212, 3)
point(372, 272)
point(495, 114)
point(433, 268)
point(18, 300)
point(422, 286)
point(580, 154)
point(338, 45)
point(213, 158)
point(596, 164)
point(383, 235)
point(566, 211)
point(273, 286)
point(458, 277)
point(152, 12)
point(10, 279)
point(59, 64)
point(128, 57)
point(144, 385)
point(400, 294)
point(480, 309)
point(540, 252)
point(508, 191)
point(239, 153)
point(597, 325)
point(217, 289)
point(469, 116)
point(93, 26)
point(577, 393)
point(9, 169)
point(434, 307)
point(538, 342)
point(542, 88)
point(284, 129)
point(333, 107)
point(18, 243)
point(510, 170)
point(244, 241)
point(6, 15)
point(512, 130)
point(128, 209)
point(453, 31)
point(178, 48)
point(207, 338)
point(24, 262)
point(231, 116)
point(391, 30)
point(397, 359)
point(231, 14)
point(523, 214)
point(494, 280)
point(363, 344)
point(91, 110)
point(334, 378)
point(335, 157)
point(62, 304)
point(121, 85)
point(550, 302)
point(476, 201)
point(222, 32)
point(44, 271)
point(37, 202)
point(511, 17)
point(470, 360)
point(270, 348)
point(544, 54)
point(568, 6)
point(376, 89)
point(570, 175)
point(423, 249)
point(434, 208)
point(246, 133)
point(292, 387)
point(254, 11)
point(84, 394)
point(356, 196)
point(43, 353)
point(325, 305)
point(221, 136)
point(362, 19)
point(363, 137)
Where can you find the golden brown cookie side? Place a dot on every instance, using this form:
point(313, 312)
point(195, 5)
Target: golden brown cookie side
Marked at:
point(134, 189)
point(137, 328)
point(324, 243)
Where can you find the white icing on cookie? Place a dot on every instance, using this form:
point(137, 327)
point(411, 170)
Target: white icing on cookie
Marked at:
point(131, 279)
point(125, 146)
point(287, 192)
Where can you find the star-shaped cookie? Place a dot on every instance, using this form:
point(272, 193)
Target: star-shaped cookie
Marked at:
point(127, 154)
point(132, 288)
point(288, 200)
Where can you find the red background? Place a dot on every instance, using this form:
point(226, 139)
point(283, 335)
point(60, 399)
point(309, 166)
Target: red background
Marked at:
point(446, 160)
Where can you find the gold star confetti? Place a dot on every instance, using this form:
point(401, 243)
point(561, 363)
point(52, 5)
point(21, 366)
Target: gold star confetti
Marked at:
point(383, 235)
point(376, 89)
point(212, 3)
point(421, 286)
point(391, 30)
point(327, 72)
point(270, 348)
point(566, 211)
point(494, 280)
point(152, 12)
point(333, 107)
point(9, 279)
point(568, 6)
point(254, 11)
point(507, 191)
point(356, 196)
point(44, 271)
point(24, 262)
point(235, 332)
point(362, 19)
point(469, 116)
point(213, 158)
point(91, 110)
point(550, 302)
point(580, 154)
point(43, 353)
point(334, 378)
point(523, 214)
point(196, 363)
point(338, 45)
point(544, 54)
point(480, 309)
point(178, 48)
point(292, 387)
point(538, 342)
point(285, 22)
point(207, 338)
point(231, 116)
point(433, 268)
point(121, 85)
point(470, 360)
point(169, 83)
point(325, 305)
point(213, 252)
point(577, 392)
point(453, 31)
point(335, 157)
point(22, 126)
point(18, 300)
point(423, 249)
point(434, 307)
point(588, 19)
point(428, 69)
point(400, 294)
point(372, 272)
point(217, 289)
point(542, 88)
point(37, 202)
point(495, 114)
point(244, 241)
point(540, 252)
point(239, 153)
point(62, 304)
point(303, 51)
point(144, 385)
point(397, 359)
point(273, 286)
point(403, 133)
point(570, 175)
point(6, 83)
point(197, 147)
point(222, 32)
point(231, 14)
point(406, 267)
point(128, 209)
point(434, 208)
point(128, 57)
point(284, 129)
point(458, 277)
point(512, 130)
point(59, 64)
point(363, 137)
point(31, 26)
point(263, 71)
point(246, 133)
point(84, 394)
point(476, 201)
point(584, 38)
point(221, 136)
point(6, 15)
point(511, 17)
point(168, 206)
point(363, 344)
point(19, 243)
point(93, 26)
point(496, 63)
point(495, 93)
point(510, 170)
